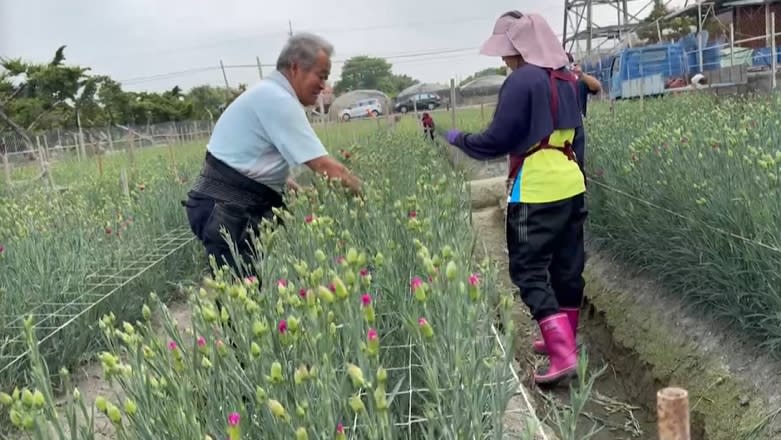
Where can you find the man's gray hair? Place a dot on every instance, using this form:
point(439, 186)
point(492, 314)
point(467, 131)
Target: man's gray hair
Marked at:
point(302, 49)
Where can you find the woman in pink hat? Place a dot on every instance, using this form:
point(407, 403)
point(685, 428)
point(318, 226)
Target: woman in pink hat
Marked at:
point(538, 124)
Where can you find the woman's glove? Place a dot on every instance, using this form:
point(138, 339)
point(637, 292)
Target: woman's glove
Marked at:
point(451, 136)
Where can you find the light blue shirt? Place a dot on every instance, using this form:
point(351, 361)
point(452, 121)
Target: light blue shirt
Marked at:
point(264, 132)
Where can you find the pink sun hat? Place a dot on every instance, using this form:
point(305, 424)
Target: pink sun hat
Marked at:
point(528, 35)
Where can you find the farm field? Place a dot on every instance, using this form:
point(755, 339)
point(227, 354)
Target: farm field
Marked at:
point(690, 197)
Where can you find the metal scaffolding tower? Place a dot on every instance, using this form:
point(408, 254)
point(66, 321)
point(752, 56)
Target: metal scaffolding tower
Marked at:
point(581, 25)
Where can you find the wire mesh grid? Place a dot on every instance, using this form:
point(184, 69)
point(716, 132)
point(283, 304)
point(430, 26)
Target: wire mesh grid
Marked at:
point(51, 318)
point(524, 413)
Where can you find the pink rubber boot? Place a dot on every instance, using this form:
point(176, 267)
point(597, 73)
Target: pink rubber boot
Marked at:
point(573, 315)
point(562, 352)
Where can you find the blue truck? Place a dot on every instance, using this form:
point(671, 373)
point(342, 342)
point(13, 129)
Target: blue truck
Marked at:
point(652, 70)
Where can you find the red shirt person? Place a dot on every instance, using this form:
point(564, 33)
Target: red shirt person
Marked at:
point(428, 125)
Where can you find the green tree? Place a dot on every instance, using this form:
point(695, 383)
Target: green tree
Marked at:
point(364, 72)
point(485, 72)
point(674, 28)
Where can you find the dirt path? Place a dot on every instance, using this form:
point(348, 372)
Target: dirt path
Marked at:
point(88, 378)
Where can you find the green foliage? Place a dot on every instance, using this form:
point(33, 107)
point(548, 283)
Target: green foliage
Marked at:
point(701, 208)
point(484, 72)
point(42, 96)
point(364, 72)
point(370, 311)
point(674, 28)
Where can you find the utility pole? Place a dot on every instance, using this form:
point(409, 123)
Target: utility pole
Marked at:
point(290, 28)
point(260, 67)
point(227, 86)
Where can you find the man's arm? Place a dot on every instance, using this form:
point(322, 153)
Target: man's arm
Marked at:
point(510, 123)
point(333, 169)
point(593, 84)
point(296, 140)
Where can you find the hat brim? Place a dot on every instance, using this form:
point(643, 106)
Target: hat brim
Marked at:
point(498, 46)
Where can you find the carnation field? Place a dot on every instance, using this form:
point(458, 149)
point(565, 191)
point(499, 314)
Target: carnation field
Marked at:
point(376, 318)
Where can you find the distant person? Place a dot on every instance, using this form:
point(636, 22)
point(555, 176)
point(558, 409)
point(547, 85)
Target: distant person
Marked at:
point(428, 125)
point(255, 141)
point(587, 84)
point(536, 122)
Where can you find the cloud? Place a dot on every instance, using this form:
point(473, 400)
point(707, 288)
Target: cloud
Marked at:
point(146, 39)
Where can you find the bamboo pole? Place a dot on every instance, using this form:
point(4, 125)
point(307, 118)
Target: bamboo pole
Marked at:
point(672, 408)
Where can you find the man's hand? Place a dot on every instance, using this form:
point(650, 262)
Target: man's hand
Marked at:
point(293, 185)
point(333, 169)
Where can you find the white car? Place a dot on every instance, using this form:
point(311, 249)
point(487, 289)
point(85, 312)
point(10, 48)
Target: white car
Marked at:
point(362, 109)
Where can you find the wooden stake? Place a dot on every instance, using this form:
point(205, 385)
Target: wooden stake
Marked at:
point(672, 408)
point(453, 102)
point(7, 168)
point(99, 158)
point(123, 182)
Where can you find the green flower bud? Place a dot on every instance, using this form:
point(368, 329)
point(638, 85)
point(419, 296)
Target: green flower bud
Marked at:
point(130, 407)
point(113, 414)
point(277, 410)
point(352, 257)
point(146, 312)
point(357, 404)
point(382, 375)
point(260, 394)
point(5, 399)
point(16, 418)
point(356, 374)
point(101, 404)
point(38, 400)
point(276, 372)
point(451, 270)
point(27, 398)
point(301, 434)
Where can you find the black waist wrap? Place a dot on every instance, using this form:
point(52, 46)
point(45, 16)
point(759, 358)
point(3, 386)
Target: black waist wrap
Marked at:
point(221, 182)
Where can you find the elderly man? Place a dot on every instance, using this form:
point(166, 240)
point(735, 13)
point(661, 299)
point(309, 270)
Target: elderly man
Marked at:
point(255, 141)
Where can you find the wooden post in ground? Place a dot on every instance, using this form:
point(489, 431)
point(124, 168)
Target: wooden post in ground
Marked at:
point(453, 102)
point(672, 408)
point(7, 168)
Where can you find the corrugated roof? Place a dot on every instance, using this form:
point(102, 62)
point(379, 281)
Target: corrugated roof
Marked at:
point(733, 3)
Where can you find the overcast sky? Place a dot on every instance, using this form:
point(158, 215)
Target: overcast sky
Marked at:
point(157, 44)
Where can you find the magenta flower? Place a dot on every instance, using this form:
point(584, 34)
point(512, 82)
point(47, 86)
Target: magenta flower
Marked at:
point(2, 249)
point(332, 287)
point(282, 327)
point(310, 218)
point(366, 299)
point(302, 293)
point(252, 279)
point(416, 283)
point(412, 214)
point(340, 260)
point(201, 341)
point(339, 428)
point(422, 321)
point(474, 279)
point(372, 335)
point(233, 419)
point(172, 345)
point(364, 272)
point(282, 282)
